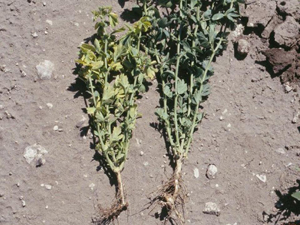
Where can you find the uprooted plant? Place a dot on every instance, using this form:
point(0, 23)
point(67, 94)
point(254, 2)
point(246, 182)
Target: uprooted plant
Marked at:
point(185, 37)
point(114, 71)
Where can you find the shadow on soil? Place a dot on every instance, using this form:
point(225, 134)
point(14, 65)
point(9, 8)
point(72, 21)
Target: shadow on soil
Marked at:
point(286, 207)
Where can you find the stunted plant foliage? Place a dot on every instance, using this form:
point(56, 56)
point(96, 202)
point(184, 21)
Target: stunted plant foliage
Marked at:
point(114, 71)
point(185, 37)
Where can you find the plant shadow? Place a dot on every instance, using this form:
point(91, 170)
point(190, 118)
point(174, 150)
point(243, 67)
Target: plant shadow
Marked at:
point(286, 207)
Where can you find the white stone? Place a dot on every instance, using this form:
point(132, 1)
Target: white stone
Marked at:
point(212, 209)
point(91, 186)
point(49, 105)
point(196, 172)
point(49, 22)
point(48, 186)
point(224, 112)
point(280, 151)
point(146, 163)
point(34, 35)
point(211, 171)
point(296, 117)
point(45, 69)
point(55, 128)
point(31, 152)
point(141, 153)
point(262, 177)
point(288, 88)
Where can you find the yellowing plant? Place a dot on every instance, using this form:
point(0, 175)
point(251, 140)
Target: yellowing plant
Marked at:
point(114, 71)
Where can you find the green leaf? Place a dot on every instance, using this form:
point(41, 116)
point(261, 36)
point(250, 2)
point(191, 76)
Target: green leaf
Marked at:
point(296, 195)
point(124, 81)
point(97, 65)
point(217, 16)
point(207, 14)
point(205, 90)
point(108, 93)
point(86, 47)
point(231, 16)
point(118, 30)
point(97, 45)
point(116, 134)
point(163, 22)
point(199, 117)
point(161, 114)
point(167, 91)
point(197, 97)
point(113, 19)
point(99, 117)
point(181, 87)
point(193, 3)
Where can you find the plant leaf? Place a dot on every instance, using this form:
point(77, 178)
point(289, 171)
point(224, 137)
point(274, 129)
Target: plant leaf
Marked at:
point(182, 87)
point(91, 110)
point(167, 91)
point(296, 195)
point(217, 16)
point(108, 92)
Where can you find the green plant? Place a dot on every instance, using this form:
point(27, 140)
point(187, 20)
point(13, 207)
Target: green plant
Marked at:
point(184, 42)
point(114, 71)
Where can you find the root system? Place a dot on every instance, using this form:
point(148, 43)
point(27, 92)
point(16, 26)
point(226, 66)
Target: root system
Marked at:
point(171, 196)
point(110, 215)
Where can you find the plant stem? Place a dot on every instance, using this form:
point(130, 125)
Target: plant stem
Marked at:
point(105, 61)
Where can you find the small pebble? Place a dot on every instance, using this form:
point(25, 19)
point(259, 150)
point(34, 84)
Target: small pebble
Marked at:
point(49, 105)
point(23, 203)
point(296, 117)
point(280, 150)
point(55, 128)
point(288, 88)
point(211, 171)
point(243, 47)
point(221, 118)
point(196, 172)
point(44, 3)
point(141, 153)
point(212, 209)
point(262, 177)
point(49, 22)
point(34, 35)
point(48, 186)
point(91, 186)
point(145, 163)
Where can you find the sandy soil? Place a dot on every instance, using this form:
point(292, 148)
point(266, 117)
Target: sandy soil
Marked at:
point(251, 131)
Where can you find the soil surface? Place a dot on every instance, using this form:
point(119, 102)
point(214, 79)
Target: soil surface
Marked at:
point(251, 130)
